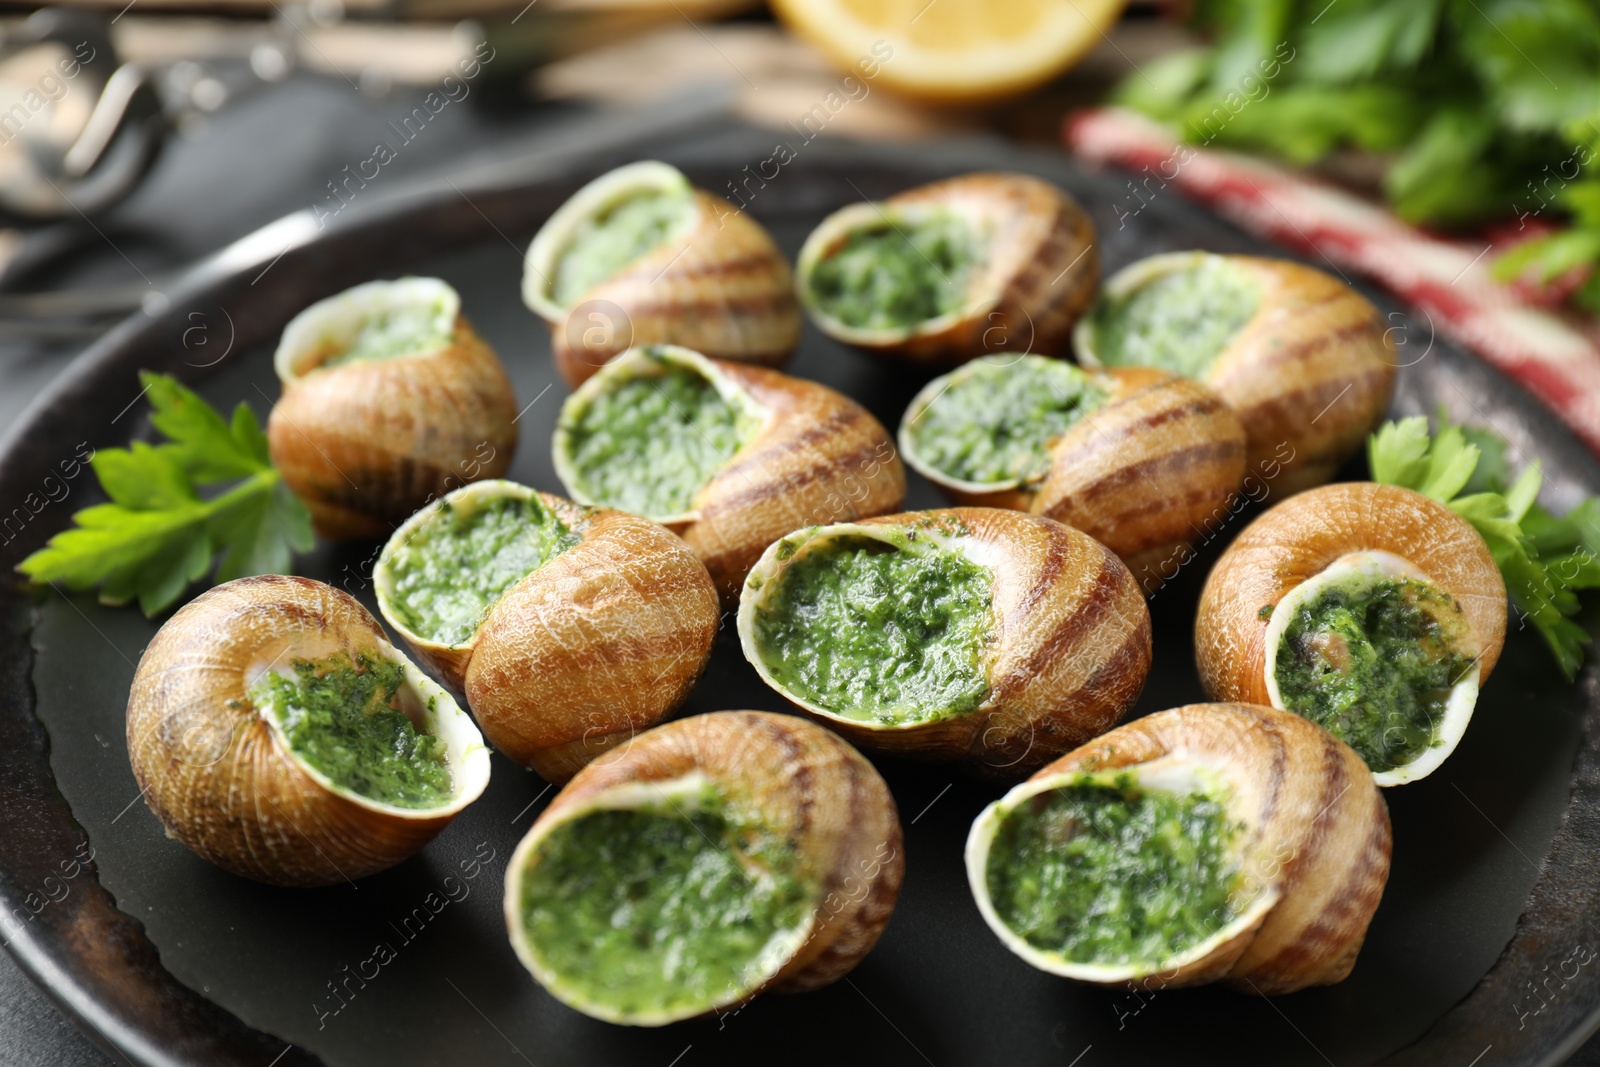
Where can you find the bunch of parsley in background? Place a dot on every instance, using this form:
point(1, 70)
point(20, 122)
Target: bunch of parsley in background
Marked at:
point(1484, 110)
point(159, 533)
point(1544, 559)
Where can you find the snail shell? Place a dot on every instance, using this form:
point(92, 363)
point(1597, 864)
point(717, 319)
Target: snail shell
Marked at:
point(1068, 647)
point(1142, 473)
point(600, 641)
point(1310, 373)
point(717, 284)
point(807, 785)
point(1313, 852)
point(1324, 533)
point(817, 457)
point(366, 443)
point(217, 771)
point(1035, 275)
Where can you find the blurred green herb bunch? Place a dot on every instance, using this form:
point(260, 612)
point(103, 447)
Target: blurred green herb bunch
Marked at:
point(1480, 111)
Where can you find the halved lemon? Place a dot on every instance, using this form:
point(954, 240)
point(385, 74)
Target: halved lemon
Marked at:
point(953, 50)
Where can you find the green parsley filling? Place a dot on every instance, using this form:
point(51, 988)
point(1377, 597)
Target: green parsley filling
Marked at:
point(455, 565)
point(997, 420)
point(1179, 321)
point(897, 274)
point(1373, 662)
point(392, 332)
point(1112, 873)
point(648, 443)
point(670, 910)
point(879, 632)
point(603, 245)
point(341, 716)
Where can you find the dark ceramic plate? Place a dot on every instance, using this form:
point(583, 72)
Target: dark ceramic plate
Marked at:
point(1483, 952)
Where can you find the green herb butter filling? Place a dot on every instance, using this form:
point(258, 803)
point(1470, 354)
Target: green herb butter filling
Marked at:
point(879, 632)
point(1179, 321)
point(1111, 873)
point(663, 911)
point(649, 443)
point(453, 567)
point(604, 244)
point(340, 715)
point(897, 274)
point(1372, 662)
point(392, 332)
point(996, 421)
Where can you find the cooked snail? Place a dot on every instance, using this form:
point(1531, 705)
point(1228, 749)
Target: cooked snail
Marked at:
point(639, 256)
point(568, 628)
point(1141, 460)
point(730, 456)
point(277, 733)
point(991, 637)
point(1303, 358)
point(709, 860)
point(1223, 843)
point(953, 270)
point(389, 399)
point(1369, 609)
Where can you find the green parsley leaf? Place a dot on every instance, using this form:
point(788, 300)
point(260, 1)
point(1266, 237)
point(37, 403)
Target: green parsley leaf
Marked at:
point(1543, 558)
point(206, 447)
point(159, 534)
point(1398, 453)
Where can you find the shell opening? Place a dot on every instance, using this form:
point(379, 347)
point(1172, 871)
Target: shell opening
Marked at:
point(370, 726)
point(878, 624)
point(1111, 875)
point(992, 423)
point(1377, 654)
point(649, 431)
point(657, 901)
point(443, 570)
point(1178, 312)
point(874, 275)
point(610, 223)
point(369, 323)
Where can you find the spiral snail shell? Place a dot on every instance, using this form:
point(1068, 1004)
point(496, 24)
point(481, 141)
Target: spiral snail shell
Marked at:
point(639, 256)
point(746, 852)
point(1303, 358)
point(568, 628)
point(1371, 609)
point(730, 456)
point(990, 637)
point(1139, 459)
point(978, 263)
point(236, 753)
point(1284, 846)
point(389, 399)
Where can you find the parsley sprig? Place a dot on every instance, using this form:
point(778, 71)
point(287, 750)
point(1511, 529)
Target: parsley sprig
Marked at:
point(1544, 558)
point(159, 533)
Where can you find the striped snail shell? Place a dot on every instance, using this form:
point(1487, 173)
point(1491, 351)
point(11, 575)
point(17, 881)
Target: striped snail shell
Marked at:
point(596, 631)
point(802, 809)
point(1305, 360)
point(795, 452)
point(989, 637)
point(217, 768)
point(1266, 601)
point(1025, 268)
point(1308, 849)
point(366, 439)
point(1147, 461)
point(699, 273)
